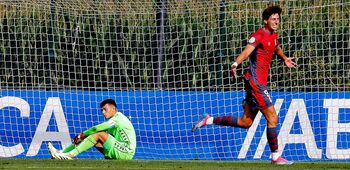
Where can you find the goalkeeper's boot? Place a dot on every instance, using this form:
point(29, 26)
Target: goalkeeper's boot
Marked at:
point(202, 122)
point(53, 151)
point(281, 161)
point(64, 156)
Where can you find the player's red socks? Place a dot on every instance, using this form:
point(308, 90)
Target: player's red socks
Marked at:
point(272, 138)
point(226, 121)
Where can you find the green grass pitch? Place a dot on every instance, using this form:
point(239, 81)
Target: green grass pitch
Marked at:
point(161, 165)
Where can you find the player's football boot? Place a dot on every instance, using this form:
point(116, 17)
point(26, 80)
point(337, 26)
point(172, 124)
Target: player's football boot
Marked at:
point(64, 156)
point(202, 122)
point(53, 151)
point(281, 161)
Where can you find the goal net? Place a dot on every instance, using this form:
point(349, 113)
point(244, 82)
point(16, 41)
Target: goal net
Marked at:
point(166, 63)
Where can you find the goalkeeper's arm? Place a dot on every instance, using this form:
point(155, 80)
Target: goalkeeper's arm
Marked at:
point(98, 128)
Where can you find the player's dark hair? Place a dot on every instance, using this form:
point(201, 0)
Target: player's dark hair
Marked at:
point(108, 101)
point(270, 11)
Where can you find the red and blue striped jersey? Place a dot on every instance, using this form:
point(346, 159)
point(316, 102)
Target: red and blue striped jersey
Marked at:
point(265, 45)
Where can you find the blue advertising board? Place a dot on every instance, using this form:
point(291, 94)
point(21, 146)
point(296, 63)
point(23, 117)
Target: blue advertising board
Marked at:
point(312, 125)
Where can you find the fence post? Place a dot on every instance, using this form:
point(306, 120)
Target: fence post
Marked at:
point(160, 19)
point(222, 42)
point(51, 50)
point(50, 33)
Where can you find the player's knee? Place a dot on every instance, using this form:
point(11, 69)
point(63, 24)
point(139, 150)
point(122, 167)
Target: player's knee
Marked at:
point(100, 135)
point(272, 122)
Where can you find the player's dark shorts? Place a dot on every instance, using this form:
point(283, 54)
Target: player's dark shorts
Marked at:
point(257, 96)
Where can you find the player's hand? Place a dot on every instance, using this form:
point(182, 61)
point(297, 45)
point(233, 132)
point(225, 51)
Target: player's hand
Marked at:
point(234, 70)
point(77, 139)
point(290, 63)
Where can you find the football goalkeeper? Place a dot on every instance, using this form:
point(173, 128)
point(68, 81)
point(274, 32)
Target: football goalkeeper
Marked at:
point(114, 138)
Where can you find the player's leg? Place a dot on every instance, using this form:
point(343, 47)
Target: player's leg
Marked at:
point(235, 121)
point(113, 149)
point(68, 148)
point(272, 119)
point(52, 149)
point(95, 139)
point(99, 147)
point(87, 143)
point(250, 111)
point(264, 102)
point(271, 133)
point(246, 121)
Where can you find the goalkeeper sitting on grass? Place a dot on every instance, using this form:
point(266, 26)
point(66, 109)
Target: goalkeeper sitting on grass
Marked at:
point(114, 138)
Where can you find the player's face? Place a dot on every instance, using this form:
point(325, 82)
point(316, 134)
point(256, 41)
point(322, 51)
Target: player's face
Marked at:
point(273, 22)
point(108, 111)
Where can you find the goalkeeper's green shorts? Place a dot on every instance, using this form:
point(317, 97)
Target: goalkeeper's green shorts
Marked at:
point(114, 149)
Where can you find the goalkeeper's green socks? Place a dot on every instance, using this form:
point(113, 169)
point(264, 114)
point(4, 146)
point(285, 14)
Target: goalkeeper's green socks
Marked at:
point(86, 144)
point(69, 148)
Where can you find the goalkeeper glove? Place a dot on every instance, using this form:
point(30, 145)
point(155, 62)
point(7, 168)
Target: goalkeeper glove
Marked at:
point(80, 137)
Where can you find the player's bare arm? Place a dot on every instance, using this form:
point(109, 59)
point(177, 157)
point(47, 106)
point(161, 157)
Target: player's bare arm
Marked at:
point(242, 57)
point(287, 60)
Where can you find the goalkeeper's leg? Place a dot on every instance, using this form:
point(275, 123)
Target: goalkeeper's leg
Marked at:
point(53, 150)
point(113, 149)
point(69, 148)
point(87, 143)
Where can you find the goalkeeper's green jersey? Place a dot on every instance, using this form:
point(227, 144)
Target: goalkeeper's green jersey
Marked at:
point(118, 126)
